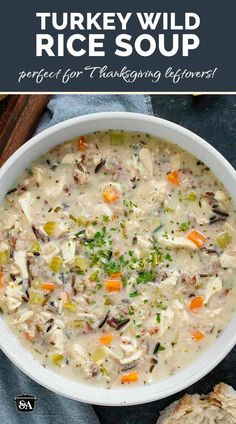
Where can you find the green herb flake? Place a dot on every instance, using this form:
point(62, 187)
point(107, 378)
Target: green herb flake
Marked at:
point(158, 348)
point(145, 277)
point(184, 226)
point(124, 281)
point(134, 293)
point(131, 310)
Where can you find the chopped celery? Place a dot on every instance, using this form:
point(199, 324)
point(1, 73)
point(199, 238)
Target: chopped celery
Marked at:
point(4, 257)
point(94, 276)
point(57, 358)
point(77, 323)
point(36, 248)
point(50, 228)
point(223, 239)
point(116, 138)
point(57, 209)
point(56, 264)
point(169, 209)
point(70, 306)
point(99, 354)
point(79, 220)
point(156, 258)
point(35, 298)
point(81, 263)
point(154, 222)
point(35, 283)
point(104, 371)
point(108, 302)
point(191, 196)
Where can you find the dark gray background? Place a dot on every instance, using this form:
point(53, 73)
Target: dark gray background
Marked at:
point(18, 27)
point(213, 118)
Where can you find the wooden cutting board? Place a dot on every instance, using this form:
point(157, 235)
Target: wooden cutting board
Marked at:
point(19, 117)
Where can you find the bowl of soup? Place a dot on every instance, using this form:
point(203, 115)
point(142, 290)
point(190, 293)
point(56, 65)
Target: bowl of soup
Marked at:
point(117, 257)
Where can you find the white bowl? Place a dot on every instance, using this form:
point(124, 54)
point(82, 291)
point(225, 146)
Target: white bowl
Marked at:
point(128, 395)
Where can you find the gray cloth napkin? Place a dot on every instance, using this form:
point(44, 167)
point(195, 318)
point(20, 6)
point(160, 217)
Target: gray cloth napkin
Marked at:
point(51, 408)
point(68, 106)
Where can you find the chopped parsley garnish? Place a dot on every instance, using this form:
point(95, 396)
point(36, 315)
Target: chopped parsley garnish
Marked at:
point(158, 317)
point(124, 281)
point(158, 348)
point(129, 205)
point(145, 277)
point(134, 293)
point(184, 226)
point(160, 304)
point(115, 266)
point(131, 310)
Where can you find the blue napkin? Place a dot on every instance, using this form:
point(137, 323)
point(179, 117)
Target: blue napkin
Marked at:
point(51, 408)
point(63, 107)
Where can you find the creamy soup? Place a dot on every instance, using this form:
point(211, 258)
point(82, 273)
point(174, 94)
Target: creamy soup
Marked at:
point(118, 258)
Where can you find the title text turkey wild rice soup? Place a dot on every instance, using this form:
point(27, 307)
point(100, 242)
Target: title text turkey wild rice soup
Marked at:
point(118, 258)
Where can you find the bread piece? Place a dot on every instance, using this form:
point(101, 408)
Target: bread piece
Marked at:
point(218, 407)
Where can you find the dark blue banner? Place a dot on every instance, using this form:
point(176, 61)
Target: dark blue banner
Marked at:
point(124, 47)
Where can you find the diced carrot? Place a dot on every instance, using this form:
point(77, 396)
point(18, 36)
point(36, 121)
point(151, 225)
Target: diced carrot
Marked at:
point(106, 339)
point(110, 195)
point(198, 336)
point(48, 286)
point(2, 276)
point(196, 303)
point(115, 275)
point(82, 145)
point(112, 285)
point(174, 178)
point(28, 336)
point(129, 378)
point(196, 237)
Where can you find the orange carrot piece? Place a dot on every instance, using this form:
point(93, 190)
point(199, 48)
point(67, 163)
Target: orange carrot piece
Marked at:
point(198, 238)
point(82, 145)
point(196, 303)
point(115, 275)
point(106, 339)
point(198, 336)
point(112, 285)
point(28, 336)
point(48, 286)
point(174, 178)
point(129, 378)
point(110, 195)
point(2, 276)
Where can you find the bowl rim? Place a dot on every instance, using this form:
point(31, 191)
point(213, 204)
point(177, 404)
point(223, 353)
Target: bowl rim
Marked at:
point(128, 395)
